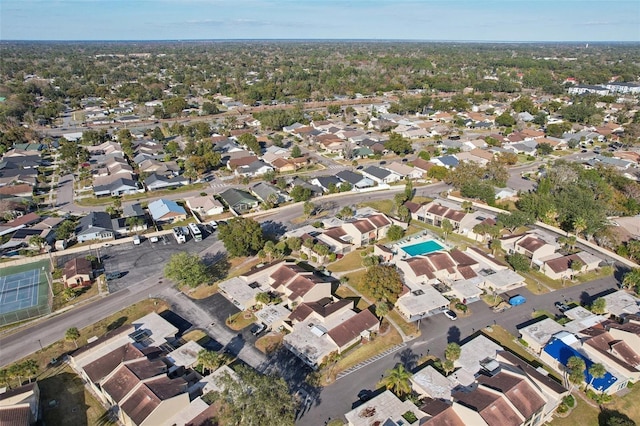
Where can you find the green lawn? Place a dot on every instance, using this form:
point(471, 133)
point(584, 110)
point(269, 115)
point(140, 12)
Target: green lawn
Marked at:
point(384, 206)
point(349, 262)
point(586, 415)
point(93, 201)
point(345, 293)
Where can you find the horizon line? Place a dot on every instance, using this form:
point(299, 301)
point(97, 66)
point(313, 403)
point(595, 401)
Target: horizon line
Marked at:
point(372, 40)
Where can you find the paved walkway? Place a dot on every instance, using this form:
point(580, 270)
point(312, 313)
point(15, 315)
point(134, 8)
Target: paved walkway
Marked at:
point(370, 360)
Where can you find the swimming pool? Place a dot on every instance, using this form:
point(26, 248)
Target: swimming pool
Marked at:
point(424, 247)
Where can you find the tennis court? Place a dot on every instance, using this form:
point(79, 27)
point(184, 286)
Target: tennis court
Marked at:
point(19, 291)
point(24, 292)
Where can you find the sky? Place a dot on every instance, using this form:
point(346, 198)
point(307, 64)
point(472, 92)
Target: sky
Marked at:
point(467, 20)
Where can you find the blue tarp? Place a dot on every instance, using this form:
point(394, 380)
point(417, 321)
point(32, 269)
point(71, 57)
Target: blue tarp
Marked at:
point(517, 300)
point(561, 352)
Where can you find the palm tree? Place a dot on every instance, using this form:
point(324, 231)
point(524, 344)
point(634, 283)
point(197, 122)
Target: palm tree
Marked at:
point(452, 352)
point(38, 241)
point(72, 334)
point(209, 360)
point(382, 309)
point(467, 206)
point(398, 380)
point(15, 372)
point(596, 371)
point(448, 367)
point(447, 227)
point(495, 245)
point(134, 223)
point(579, 225)
point(632, 278)
point(30, 368)
point(575, 367)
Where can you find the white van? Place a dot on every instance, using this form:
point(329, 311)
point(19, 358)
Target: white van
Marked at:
point(136, 240)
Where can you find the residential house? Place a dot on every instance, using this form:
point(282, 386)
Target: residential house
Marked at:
point(268, 193)
point(448, 161)
point(95, 226)
point(239, 200)
point(255, 168)
point(566, 267)
point(529, 245)
point(296, 285)
point(601, 346)
point(621, 303)
point(538, 334)
point(435, 212)
point(118, 187)
point(166, 211)
point(364, 230)
point(380, 176)
point(325, 326)
point(424, 301)
point(77, 272)
point(422, 165)
point(356, 180)
point(405, 171)
point(20, 406)
point(385, 409)
point(158, 181)
point(327, 183)
point(282, 165)
point(204, 205)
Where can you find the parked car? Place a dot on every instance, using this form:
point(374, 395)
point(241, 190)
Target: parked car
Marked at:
point(562, 307)
point(257, 328)
point(154, 239)
point(112, 276)
point(450, 314)
point(365, 395)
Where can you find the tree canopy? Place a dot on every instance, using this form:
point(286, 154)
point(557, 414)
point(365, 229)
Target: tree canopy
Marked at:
point(187, 269)
point(254, 399)
point(241, 236)
point(384, 282)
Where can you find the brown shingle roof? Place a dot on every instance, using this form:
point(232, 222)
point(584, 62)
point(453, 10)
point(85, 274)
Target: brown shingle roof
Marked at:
point(467, 272)
point(413, 207)
point(604, 342)
point(491, 407)
point(441, 261)
point(16, 189)
point(284, 274)
point(532, 372)
point(437, 209)
point(379, 220)
point(455, 215)
point(242, 161)
point(300, 286)
point(104, 365)
point(422, 164)
point(127, 377)
point(562, 264)
point(363, 226)
point(531, 244)
point(461, 258)
point(353, 327)
point(486, 256)
point(77, 266)
point(517, 390)
point(15, 416)
point(421, 266)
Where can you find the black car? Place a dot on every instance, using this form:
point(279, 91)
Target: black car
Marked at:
point(257, 329)
point(562, 307)
point(365, 395)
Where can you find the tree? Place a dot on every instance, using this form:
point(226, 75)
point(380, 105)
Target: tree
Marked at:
point(579, 225)
point(519, 262)
point(447, 227)
point(452, 352)
point(345, 213)
point(505, 120)
point(631, 279)
point(134, 223)
point(514, 220)
point(596, 371)
point(395, 232)
point(251, 142)
point(38, 241)
point(29, 368)
point(544, 148)
point(467, 206)
point(398, 380)
point(187, 269)
point(294, 243)
point(241, 236)
point(448, 366)
point(576, 367)
point(384, 283)
point(382, 309)
point(300, 193)
point(369, 261)
point(209, 360)
point(495, 245)
point(616, 418)
point(72, 334)
point(438, 172)
point(576, 265)
point(254, 399)
point(398, 144)
point(65, 229)
point(408, 190)
point(296, 152)
point(599, 306)
point(308, 208)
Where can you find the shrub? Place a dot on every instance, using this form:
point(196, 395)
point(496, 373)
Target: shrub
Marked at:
point(304, 256)
point(562, 408)
point(569, 401)
point(523, 343)
point(461, 307)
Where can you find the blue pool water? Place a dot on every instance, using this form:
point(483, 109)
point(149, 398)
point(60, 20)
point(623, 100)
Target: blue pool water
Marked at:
point(424, 247)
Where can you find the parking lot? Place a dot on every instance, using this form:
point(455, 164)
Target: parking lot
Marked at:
point(134, 263)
